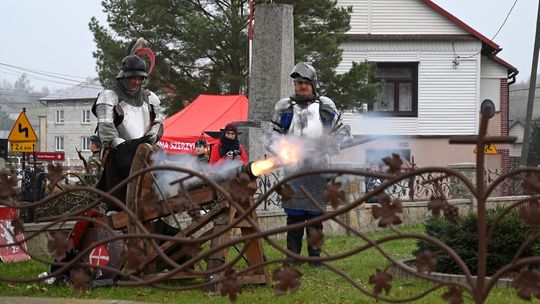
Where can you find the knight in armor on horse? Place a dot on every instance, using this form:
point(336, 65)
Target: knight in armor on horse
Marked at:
point(127, 115)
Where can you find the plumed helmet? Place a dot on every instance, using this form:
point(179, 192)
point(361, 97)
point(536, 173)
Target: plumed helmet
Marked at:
point(132, 65)
point(95, 138)
point(305, 72)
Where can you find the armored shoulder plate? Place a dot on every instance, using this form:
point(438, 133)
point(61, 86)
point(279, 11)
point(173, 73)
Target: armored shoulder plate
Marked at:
point(327, 104)
point(282, 105)
point(153, 99)
point(107, 97)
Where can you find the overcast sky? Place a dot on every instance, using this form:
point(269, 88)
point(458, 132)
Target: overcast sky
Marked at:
point(53, 37)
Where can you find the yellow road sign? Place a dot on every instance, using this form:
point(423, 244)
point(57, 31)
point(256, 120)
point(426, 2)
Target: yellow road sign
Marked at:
point(29, 146)
point(489, 148)
point(22, 130)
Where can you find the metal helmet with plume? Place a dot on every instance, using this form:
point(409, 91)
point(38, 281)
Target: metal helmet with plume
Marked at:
point(132, 65)
point(140, 48)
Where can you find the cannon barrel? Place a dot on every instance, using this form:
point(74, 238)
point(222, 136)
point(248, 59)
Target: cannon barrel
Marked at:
point(253, 169)
point(223, 175)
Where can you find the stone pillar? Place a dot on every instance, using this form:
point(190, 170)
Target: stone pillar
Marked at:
point(269, 81)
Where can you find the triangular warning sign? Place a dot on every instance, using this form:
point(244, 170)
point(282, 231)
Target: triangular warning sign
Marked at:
point(489, 148)
point(22, 130)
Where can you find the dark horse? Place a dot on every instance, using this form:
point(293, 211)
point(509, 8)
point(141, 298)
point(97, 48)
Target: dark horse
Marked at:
point(117, 168)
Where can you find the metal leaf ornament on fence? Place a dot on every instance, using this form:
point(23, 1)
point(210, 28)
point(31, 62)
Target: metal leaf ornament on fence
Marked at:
point(531, 184)
point(451, 212)
point(190, 250)
point(387, 211)
point(8, 185)
point(286, 192)
point(333, 194)
point(184, 203)
point(241, 189)
point(18, 226)
point(55, 172)
point(435, 205)
point(527, 283)
point(79, 279)
point(454, 295)
point(425, 262)
point(59, 244)
point(133, 256)
point(315, 237)
point(230, 286)
point(149, 203)
point(287, 280)
point(381, 281)
point(394, 163)
point(530, 213)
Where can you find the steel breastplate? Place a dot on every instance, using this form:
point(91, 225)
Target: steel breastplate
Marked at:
point(306, 121)
point(136, 121)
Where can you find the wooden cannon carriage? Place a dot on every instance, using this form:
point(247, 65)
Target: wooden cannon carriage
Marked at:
point(218, 214)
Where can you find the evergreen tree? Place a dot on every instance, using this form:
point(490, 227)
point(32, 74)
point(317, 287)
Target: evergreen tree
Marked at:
point(22, 84)
point(201, 46)
point(6, 123)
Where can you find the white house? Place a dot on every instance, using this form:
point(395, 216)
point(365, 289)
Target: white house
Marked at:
point(516, 128)
point(436, 70)
point(69, 120)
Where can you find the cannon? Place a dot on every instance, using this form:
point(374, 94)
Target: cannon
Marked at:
point(215, 217)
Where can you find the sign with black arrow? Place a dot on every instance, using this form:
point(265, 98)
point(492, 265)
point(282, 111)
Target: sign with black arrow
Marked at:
point(22, 137)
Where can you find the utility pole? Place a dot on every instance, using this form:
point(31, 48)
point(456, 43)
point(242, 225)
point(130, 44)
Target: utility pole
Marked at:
point(532, 88)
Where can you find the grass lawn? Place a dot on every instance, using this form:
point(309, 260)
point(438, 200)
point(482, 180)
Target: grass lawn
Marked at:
point(318, 285)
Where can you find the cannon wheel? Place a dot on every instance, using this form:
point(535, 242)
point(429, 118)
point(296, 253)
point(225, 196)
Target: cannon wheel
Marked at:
point(135, 193)
point(221, 215)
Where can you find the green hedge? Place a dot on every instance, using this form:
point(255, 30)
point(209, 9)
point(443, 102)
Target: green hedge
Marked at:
point(462, 237)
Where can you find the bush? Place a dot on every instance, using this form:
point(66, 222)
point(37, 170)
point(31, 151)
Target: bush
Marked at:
point(462, 237)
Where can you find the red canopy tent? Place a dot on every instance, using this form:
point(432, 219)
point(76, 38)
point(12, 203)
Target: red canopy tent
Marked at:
point(207, 113)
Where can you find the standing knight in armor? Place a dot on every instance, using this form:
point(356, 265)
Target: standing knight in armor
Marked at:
point(127, 116)
point(316, 120)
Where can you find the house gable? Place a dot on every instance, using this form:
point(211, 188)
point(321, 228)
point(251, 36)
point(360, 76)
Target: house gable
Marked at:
point(406, 17)
point(457, 66)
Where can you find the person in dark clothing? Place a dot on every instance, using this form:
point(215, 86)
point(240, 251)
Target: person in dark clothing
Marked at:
point(201, 150)
point(228, 147)
point(93, 166)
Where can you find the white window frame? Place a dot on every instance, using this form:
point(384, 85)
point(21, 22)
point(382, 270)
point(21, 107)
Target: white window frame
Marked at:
point(59, 143)
point(59, 117)
point(85, 143)
point(85, 117)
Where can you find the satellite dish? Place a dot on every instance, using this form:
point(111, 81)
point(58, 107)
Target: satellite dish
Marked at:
point(487, 103)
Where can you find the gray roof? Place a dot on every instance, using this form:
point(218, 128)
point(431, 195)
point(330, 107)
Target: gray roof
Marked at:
point(85, 90)
point(514, 121)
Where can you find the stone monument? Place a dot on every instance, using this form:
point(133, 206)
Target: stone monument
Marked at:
point(269, 81)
